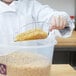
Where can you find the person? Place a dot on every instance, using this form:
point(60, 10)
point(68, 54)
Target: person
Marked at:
point(16, 13)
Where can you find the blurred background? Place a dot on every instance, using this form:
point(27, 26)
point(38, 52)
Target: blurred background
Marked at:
point(62, 5)
point(65, 50)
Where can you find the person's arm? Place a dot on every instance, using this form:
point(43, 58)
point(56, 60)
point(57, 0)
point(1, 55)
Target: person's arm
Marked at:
point(44, 13)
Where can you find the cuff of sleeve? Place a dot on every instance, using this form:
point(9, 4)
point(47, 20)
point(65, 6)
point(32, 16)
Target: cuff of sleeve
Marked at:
point(65, 30)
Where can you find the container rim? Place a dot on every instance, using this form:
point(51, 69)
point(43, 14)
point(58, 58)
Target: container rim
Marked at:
point(5, 49)
point(26, 46)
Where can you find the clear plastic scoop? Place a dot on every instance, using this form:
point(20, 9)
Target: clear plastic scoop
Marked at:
point(33, 31)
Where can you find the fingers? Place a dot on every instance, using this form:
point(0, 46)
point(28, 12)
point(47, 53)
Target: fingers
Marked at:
point(53, 23)
point(58, 22)
point(65, 23)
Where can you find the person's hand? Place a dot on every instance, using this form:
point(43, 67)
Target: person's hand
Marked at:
point(58, 22)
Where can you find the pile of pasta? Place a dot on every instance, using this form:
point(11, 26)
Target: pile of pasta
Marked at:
point(33, 34)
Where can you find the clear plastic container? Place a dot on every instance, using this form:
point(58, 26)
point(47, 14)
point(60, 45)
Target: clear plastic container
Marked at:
point(21, 60)
point(27, 58)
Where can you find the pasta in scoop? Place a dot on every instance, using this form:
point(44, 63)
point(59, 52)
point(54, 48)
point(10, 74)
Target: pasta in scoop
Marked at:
point(31, 35)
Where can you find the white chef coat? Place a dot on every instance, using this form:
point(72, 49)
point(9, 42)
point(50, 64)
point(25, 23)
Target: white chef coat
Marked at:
point(19, 13)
